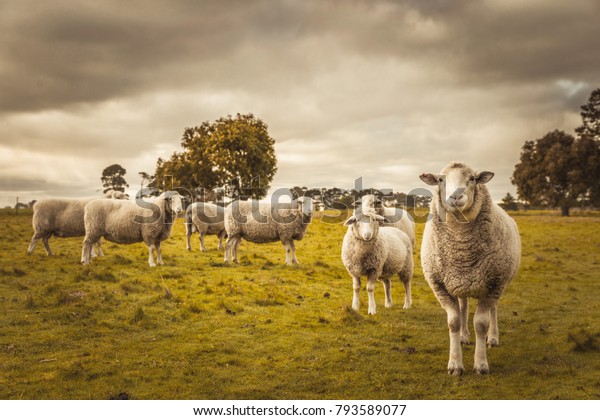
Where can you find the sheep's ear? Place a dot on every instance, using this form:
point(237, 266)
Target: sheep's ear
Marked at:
point(350, 221)
point(484, 177)
point(429, 179)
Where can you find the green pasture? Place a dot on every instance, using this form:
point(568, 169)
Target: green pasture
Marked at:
point(199, 329)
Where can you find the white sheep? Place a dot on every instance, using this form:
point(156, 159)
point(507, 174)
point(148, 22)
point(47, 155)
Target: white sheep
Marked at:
point(378, 252)
point(395, 217)
point(125, 222)
point(206, 219)
point(63, 218)
point(261, 222)
point(471, 248)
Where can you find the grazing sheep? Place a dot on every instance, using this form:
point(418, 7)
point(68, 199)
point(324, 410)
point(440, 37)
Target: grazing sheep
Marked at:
point(63, 218)
point(204, 218)
point(127, 222)
point(395, 217)
point(471, 248)
point(264, 222)
point(378, 252)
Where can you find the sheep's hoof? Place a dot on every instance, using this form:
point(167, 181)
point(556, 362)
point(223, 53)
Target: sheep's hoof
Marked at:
point(407, 305)
point(482, 369)
point(455, 369)
point(372, 311)
point(388, 305)
point(493, 342)
point(464, 339)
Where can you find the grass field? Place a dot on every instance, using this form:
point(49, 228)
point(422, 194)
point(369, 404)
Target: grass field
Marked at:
point(198, 329)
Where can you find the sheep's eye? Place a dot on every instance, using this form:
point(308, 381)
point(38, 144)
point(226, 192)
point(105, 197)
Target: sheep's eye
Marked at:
point(472, 178)
point(440, 180)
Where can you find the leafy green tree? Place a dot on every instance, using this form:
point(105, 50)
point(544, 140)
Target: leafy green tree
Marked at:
point(230, 151)
point(590, 115)
point(113, 178)
point(553, 171)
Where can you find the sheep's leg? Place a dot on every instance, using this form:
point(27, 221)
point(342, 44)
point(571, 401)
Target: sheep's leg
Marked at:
point(47, 246)
point(406, 278)
point(86, 251)
point(159, 259)
point(387, 286)
point(356, 289)
point(481, 323)
point(493, 335)
point(236, 245)
point(231, 247)
point(151, 255)
point(455, 363)
point(288, 252)
point(228, 245)
point(32, 244)
point(452, 308)
point(221, 237)
point(99, 248)
point(188, 235)
point(372, 277)
point(34, 241)
point(464, 320)
point(293, 246)
point(202, 247)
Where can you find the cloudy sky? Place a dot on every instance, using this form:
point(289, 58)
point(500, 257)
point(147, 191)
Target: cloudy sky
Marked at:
point(382, 90)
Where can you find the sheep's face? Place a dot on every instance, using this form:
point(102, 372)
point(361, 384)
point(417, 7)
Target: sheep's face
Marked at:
point(306, 206)
point(365, 226)
point(457, 185)
point(369, 203)
point(175, 202)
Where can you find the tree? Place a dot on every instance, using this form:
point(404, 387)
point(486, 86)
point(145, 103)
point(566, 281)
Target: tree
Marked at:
point(509, 202)
point(113, 178)
point(590, 115)
point(230, 151)
point(553, 171)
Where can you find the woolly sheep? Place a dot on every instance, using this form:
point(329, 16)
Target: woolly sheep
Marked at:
point(395, 217)
point(127, 222)
point(471, 248)
point(63, 218)
point(261, 222)
point(378, 252)
point(204, 218)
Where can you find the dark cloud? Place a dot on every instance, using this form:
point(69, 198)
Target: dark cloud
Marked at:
point(388, 87)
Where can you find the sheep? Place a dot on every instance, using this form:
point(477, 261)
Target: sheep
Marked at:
point(395, 217)
point(378, 252)
point(471, 248)
point(205, 218)
point(127, 222)
point(63, 218)
point(265, 222)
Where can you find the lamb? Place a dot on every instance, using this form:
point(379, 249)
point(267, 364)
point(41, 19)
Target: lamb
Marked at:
point(205, 218)
point(127, 222)
point(378, 252)
point(395, 217)
point(63, 218)
point(471, 248)
point(264, 222)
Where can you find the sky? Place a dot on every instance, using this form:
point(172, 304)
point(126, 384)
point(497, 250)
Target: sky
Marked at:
point(382, 90)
